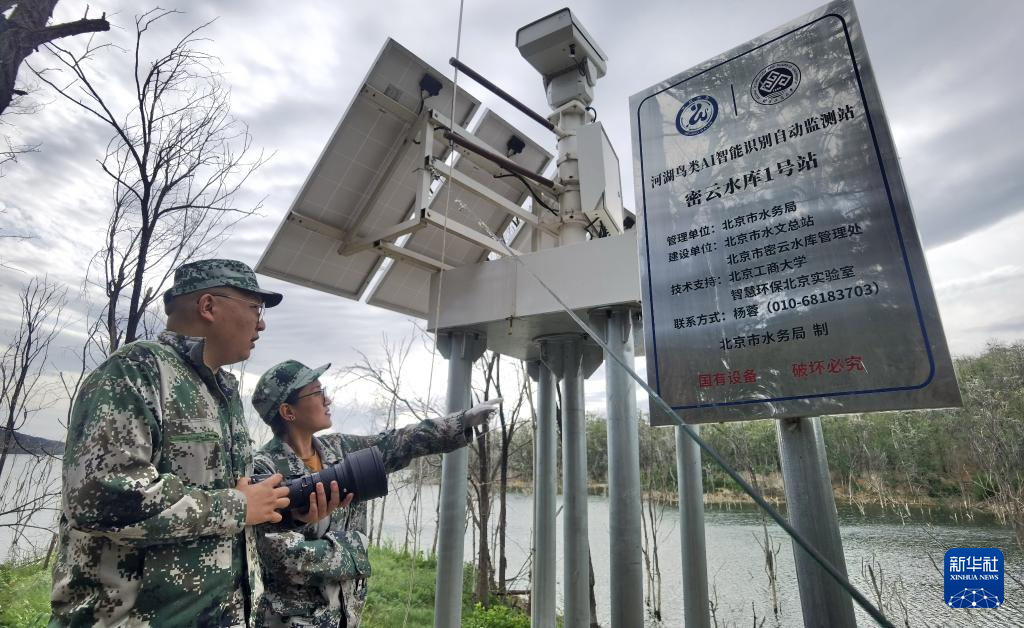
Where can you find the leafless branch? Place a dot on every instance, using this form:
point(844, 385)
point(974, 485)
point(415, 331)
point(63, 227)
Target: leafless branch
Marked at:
point(176, 161)
point(25, 31)
point(22, 392)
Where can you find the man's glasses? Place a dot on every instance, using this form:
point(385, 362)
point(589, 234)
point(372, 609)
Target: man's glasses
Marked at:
point(322, 392)
point(260, 307)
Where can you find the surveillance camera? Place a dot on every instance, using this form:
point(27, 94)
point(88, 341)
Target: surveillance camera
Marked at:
point(565, 54)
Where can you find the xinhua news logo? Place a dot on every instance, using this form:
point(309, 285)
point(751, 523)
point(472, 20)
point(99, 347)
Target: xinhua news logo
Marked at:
point(974, 577)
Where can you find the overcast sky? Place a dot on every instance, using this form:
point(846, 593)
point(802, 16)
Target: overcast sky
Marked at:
point(947, 72)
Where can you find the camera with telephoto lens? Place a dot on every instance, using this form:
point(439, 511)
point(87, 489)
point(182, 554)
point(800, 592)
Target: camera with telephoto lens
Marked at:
point(361, 472)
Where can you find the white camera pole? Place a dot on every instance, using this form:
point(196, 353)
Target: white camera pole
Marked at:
point(569, 61)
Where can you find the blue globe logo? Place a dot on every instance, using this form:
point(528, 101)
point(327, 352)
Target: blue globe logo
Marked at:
point(973, 598)
point(697, 115)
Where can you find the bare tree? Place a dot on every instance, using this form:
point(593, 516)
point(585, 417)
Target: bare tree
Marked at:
point(480, 483)
point(10, 150)
point(29, 495)
point(657, 470)
point(509, 416)
point(22, 391)
point(386, 376)
point(177, 158)
point(28, 487)
point(24, 30)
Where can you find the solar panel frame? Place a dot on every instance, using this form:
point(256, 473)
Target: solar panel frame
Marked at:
point(365, 178)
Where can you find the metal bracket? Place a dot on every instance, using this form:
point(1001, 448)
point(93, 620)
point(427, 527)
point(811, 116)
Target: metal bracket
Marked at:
point(316, 226)
point(392, 233)
point(411, 257)
point(467, 233)
point(598, 318)
point(551, 354)
point(466, 343)
point(465, 181)
point(388, 104)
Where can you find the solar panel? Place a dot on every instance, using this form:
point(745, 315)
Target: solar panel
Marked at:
point(366, 179)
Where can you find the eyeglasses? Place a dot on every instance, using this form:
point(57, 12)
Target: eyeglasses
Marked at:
point(260, 307)
point(324, 397)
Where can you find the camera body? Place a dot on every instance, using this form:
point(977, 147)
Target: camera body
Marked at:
point(566, 56)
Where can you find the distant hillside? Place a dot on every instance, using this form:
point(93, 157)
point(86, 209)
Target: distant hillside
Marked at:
point(25, 444)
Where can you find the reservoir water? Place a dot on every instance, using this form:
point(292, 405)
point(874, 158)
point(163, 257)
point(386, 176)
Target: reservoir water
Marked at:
point(904, 548)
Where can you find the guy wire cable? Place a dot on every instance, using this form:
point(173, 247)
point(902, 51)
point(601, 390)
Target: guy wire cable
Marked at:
point(437, 312)
point(842, 580)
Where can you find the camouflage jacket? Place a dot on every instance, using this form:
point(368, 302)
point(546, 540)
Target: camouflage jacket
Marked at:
point(313, 572)
point(151, 532)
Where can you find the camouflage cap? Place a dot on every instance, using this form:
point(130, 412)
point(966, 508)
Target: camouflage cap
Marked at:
point(213, 273)
point(280, 381)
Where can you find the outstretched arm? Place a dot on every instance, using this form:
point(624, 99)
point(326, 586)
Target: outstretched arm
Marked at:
point(431, 436)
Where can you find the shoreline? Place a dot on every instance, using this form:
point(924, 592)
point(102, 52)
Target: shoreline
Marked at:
point(864, 501)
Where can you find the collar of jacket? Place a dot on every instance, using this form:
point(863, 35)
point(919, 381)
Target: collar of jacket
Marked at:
point(190, 348)
point(288, 463)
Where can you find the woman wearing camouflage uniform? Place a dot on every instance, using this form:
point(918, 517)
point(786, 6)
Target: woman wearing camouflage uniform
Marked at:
point(315, 575)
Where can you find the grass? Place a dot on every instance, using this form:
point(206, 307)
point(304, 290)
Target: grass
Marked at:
point(401, 593)
point(24, 595)
point(399, 585)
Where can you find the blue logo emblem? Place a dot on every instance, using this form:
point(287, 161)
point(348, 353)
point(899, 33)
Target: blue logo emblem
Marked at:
point(697, 115)
point(974, 577)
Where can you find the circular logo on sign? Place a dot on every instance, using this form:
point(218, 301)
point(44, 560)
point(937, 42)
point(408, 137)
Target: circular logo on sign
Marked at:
point(775, 83)
point(697, 115)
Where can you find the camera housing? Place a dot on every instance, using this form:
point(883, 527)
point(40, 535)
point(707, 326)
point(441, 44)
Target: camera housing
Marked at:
point(566, 56)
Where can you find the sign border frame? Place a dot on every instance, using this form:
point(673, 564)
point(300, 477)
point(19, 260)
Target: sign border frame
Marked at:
point(892, 208)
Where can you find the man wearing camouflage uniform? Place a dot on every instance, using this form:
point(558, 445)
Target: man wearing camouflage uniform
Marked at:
point(315, 575)
point(156, 528)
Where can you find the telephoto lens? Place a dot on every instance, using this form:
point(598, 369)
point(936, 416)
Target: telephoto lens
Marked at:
point(361, 472)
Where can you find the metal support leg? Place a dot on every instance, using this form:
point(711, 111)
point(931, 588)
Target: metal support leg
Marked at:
point(691, 529)
point(461, 349)
point(545, 473)
point(572, 359)
point(812, 511)
point(624, 525)
point(576, 566)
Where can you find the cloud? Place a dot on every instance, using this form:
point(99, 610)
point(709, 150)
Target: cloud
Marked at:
point(977, 280)
point(945, 75)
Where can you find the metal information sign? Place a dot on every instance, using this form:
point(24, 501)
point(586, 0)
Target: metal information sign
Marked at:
point(782, 273)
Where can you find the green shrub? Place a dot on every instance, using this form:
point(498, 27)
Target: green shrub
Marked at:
point(495, 617)
point(983, 486)
point(24, 595)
